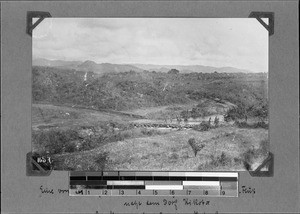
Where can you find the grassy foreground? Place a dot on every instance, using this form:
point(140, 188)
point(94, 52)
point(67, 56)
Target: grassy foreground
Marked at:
point(77, 141)
point(224, 150)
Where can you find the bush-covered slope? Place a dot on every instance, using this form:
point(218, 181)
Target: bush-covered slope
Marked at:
point(132, 90)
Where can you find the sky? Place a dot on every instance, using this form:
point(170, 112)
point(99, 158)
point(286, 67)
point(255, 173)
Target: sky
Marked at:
point(218, 42)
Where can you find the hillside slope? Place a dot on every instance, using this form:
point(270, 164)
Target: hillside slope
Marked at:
point(132, 90)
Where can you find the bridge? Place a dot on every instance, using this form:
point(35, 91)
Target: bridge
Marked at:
point(161, 125)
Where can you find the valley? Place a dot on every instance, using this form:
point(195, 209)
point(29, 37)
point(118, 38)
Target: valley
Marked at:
point(143, 120)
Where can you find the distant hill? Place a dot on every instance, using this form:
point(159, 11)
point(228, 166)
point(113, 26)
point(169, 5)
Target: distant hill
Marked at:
point(86, 66)
point(116, 68)
point(191, 68)
point(106, 67)
point(55, 63)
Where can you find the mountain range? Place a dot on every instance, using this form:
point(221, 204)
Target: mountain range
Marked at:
point(101, 68)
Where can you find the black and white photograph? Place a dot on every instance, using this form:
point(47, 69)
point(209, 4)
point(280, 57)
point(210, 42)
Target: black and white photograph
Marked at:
point(160, 94)
point(149, 106)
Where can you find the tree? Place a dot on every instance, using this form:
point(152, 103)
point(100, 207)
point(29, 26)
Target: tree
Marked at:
point(173, 71)
point(185, 115)
point(236, 113)
point(216, 121)
point(178, 119)
point(194, 113)
point(261, 112)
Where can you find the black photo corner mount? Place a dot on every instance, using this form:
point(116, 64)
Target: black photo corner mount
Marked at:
point(35, 14)
point(267, 163)
point(37, 165)
point(33, 168)
point(260, 15)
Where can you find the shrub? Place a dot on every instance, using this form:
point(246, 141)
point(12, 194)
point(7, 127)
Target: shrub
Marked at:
point(241, 124)
point(127, 134)
point(55, 141)
point(174, 156)
point(71, 134)
point(116, 137)
point(52, 141)
point(257, 125)
point(243, 111)
point(199, 111)
point(235, 113)
point(216, 161)
point(71, 147)
point(60, 141)
point(101, 138)
point(151, 132)
point(88, 144)
point(101, 160)
point(203, 126)
point(261, 124)
point(223, 159)
point(237, 160)
point(261, 112)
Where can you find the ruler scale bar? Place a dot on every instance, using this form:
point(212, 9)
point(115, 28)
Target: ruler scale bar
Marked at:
point(123, 183)
point(201, 187)
point(163, 182)
point(201, 183)
point(164, 187)
point(91, 182)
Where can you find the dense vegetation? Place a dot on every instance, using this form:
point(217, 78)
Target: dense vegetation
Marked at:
point(132, 90)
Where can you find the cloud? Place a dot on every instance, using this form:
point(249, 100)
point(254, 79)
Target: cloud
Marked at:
point(94, 23)
point(241, 43)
